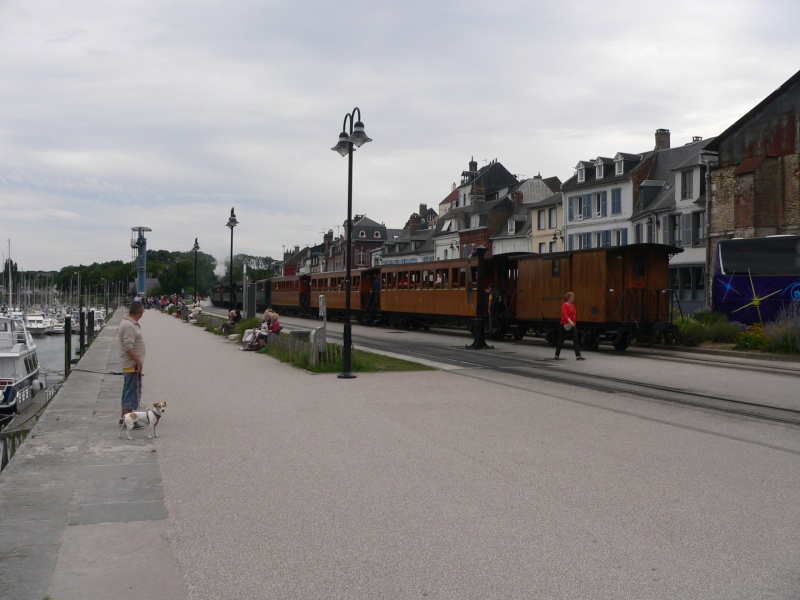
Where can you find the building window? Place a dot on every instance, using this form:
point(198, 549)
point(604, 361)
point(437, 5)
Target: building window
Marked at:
point(542, 247)
point(616, 201)
point(687, 181)
point(553, 218)
point(675, 233)
point(553, 247)
point(689, 282)
point(542, 219)
point(698, 228)
point(362, 234)
point(619, 167)
point(361, 257)
point(377, 235)
point(600, 204)
point(598, 171)
point(511, 227)
point(581, 174)
point(585, 241)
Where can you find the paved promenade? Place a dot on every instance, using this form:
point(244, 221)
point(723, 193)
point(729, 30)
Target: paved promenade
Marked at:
point(268, 482)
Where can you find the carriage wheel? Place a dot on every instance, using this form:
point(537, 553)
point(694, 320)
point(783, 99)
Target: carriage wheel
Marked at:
point(595, 345)
point(622, 341)
point(519, 332)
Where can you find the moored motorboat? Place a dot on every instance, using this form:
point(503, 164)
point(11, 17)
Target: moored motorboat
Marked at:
point(36, 324)
point(19, 366)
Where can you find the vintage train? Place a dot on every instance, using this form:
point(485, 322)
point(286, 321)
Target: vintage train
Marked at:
point(621, 293)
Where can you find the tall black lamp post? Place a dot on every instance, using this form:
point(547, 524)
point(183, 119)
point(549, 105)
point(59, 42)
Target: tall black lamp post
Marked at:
point(479, 323)
point(345, 147)
point(232, 222)
point(196, 247)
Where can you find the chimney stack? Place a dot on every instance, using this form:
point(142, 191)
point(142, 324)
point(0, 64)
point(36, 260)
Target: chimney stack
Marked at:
point(473, 165)
point(662, 139)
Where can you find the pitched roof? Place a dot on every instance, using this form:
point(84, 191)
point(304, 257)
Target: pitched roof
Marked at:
point(783, 88)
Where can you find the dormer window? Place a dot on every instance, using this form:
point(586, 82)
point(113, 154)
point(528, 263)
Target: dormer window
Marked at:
point(598, 171)
point(377, 235)
point(581, 172)
point(362, 234)
point(511, 228)
point(619, 165)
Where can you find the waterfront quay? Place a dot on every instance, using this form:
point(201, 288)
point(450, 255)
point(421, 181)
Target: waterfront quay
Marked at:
point(270, 482)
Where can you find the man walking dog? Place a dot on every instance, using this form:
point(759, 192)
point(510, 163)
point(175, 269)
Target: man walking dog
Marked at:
point(131, 355)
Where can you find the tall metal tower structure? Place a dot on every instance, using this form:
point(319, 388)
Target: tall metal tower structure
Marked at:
point(139, 245)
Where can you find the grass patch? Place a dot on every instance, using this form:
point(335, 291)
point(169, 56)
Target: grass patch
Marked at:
point(361, 362)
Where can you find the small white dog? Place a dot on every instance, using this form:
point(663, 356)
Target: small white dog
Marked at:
point(148, 417)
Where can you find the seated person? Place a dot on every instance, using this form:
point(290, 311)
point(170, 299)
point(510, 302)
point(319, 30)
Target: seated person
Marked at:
point(194, 313)
point(255, 338)
point(234, 317)
point(271, 326)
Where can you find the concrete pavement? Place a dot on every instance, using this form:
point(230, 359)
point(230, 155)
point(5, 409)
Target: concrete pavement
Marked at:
point(269, 482)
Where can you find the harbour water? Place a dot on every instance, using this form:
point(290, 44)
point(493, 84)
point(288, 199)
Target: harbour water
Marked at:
point(50, 350)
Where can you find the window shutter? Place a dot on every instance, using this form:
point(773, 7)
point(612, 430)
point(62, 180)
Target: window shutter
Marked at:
point(625, 237)
point(570, 242)
point(571, 203)
point(686, 229)
point(603, 204)
point(665, 230)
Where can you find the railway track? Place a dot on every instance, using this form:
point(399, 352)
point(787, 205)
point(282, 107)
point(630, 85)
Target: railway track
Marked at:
point(542, 370)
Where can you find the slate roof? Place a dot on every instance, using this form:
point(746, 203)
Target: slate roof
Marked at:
point(630, 162)
point(667, 161)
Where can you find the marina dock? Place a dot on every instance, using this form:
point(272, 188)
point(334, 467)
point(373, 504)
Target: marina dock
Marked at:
point(270, 482)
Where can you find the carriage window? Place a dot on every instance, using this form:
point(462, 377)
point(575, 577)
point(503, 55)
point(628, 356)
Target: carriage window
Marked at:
point(459, 278)
point(556, 268)
point(638, 266)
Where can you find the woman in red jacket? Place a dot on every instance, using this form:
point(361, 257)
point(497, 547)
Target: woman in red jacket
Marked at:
point(568, 326)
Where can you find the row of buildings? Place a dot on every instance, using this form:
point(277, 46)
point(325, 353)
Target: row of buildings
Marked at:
point(743, 183)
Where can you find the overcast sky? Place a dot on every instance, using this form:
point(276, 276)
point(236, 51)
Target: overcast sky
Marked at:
point(166, 114)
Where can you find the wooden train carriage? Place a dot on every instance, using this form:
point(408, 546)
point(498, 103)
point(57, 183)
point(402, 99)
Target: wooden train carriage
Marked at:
point(332, 286)
point(431, 292)
point(619, 291)
point(290, 295)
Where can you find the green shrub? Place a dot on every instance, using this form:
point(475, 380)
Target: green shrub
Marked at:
point(722, 331)
point(246, 324)
point(707, 318)
point(691, 333)
point(783, 334)
point(752, 339)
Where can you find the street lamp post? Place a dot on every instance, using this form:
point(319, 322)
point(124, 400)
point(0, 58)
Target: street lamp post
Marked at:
point(196, 248)
point(232, 222)
point(346, 146)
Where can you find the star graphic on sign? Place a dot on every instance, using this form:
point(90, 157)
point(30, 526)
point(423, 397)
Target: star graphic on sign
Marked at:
point(757, 300)
point(728, 286)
